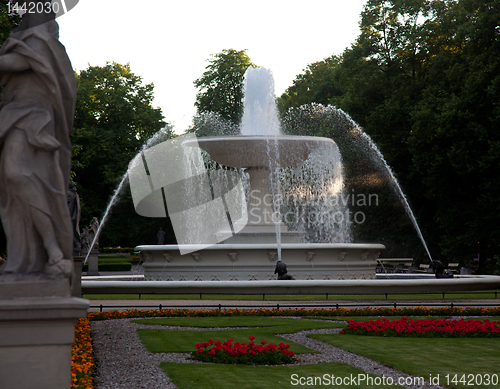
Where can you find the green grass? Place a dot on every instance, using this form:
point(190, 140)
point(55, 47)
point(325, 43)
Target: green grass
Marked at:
point(117, 258)
point(265, 328)
point(175, 341)
point(368, 318)
point(422, 357)
point(285, 325)
point(295, 297)
point(195, 376)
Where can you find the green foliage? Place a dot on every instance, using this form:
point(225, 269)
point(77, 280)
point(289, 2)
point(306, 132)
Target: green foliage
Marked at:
point(116, 266)
point(423, 81)
point(316, 84)
point(113, 118)
point(7, 21)
point(220, 88)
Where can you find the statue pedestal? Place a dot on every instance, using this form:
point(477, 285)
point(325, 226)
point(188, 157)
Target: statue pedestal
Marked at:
point(37, 334)
point(93, 263)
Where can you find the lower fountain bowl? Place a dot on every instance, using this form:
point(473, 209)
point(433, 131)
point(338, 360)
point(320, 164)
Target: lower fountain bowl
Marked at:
point(248, 262)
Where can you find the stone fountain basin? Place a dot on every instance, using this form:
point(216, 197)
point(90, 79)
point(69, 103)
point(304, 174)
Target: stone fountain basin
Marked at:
point(260, 151)
point(249, 262)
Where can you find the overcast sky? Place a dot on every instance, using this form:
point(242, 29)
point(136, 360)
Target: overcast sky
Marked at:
point(168, 42)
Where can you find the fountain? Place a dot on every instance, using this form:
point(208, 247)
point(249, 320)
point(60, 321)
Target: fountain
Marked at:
point(250, 249)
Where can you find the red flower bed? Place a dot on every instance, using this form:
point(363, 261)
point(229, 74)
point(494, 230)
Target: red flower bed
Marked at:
point(424, 328)
point(243, 353)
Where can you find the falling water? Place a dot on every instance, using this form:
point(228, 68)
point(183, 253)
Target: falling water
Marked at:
point(399, 192)
point(260, 117)
point(312, 118)
point(159, 136)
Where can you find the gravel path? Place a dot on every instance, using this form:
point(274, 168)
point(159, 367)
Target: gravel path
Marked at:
point(123, 362)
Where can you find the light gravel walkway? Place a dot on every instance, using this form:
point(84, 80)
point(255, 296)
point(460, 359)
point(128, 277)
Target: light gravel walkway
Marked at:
point(123, 362)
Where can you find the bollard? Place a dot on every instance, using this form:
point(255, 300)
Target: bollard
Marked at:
point(160, 307)
point(139, 295)
point(386, 295)
point(100, 307)
point(395, 305)
point(327, 296)
point(220, 307)
point(278, 307)
point(263, 296)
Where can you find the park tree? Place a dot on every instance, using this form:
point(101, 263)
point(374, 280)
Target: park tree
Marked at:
point(455, 141)
point(220, 88)
point(114, 117)
point(422, 80)
point(315, 85)
point(8, 21)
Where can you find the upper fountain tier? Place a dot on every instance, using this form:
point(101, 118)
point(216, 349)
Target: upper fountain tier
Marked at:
point(261, 151)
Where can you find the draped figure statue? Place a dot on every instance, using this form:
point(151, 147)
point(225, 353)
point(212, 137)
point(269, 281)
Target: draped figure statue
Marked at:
point(36, 117)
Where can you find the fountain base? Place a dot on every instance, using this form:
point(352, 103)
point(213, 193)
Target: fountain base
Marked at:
point(248, 262)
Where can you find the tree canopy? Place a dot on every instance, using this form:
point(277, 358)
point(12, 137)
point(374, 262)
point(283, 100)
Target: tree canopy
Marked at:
point(113, 119)
point(220, 88)
point(422, 80)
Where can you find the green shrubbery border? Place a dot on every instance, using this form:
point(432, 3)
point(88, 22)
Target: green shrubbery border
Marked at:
point(118, 266)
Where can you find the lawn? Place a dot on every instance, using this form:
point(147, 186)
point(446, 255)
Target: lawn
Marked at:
point(296, 297)
point(264, 328)
point(420, 357)
point(425, 356)
point(195, 376)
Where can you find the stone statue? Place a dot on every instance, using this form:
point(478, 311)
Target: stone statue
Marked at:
point(75, 212)
point(84, 240)
point(161, 236)
point(93, 228)
point(36, 117)
point(282, 272)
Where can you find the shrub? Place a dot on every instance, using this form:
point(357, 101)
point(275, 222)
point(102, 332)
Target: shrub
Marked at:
point(118, 266)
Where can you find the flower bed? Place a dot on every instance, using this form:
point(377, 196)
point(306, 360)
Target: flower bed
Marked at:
point(407, 311)
point(82, 359)
point(243, 353)
point(424, 328)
